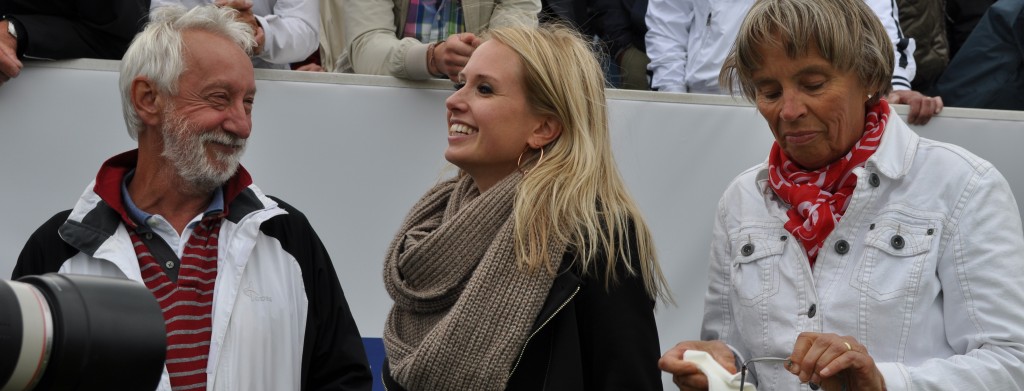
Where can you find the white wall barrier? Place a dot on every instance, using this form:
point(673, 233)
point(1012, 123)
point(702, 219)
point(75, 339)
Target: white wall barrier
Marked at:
point(355, 152)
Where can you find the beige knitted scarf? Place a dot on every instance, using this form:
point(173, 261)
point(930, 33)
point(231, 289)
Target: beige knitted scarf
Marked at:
point(463, 308)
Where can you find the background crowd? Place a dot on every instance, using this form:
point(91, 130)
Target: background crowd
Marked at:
point(949, 53)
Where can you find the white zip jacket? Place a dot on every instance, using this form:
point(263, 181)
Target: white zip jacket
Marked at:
point(924, 269)
point(280, 319)
point(687, 41)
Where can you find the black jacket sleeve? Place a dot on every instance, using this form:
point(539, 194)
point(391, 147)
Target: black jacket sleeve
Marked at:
point(45, 251)
point(589, 336)
point(333, 357)
point(61, 29)
point(618, 334)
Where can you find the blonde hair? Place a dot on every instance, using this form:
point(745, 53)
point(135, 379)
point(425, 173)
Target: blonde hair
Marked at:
point(846, 33)
point(575, 194)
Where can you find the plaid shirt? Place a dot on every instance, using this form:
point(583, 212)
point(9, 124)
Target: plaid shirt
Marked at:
point(434, 20)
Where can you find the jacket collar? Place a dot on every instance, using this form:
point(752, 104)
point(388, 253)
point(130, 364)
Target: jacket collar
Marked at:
point(893, 158)
point(100, 211)
point(108, 184)
point(896, 152)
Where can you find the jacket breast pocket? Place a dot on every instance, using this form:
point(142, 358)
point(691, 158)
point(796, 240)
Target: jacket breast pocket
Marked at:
point(755, 272)
point(894, 255)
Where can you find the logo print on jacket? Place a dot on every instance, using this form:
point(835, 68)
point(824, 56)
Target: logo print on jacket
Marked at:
point(253, 295)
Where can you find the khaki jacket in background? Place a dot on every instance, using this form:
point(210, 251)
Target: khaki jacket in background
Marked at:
point(925, 22)
point(332, 34)
point(375, 28)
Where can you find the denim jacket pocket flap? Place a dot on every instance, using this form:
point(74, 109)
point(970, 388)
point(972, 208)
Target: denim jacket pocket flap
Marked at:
point(754, 274)
point(901, 241)
point(892, 262)
point(752, 249)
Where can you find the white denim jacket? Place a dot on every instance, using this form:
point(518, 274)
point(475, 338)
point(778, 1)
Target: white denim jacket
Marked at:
point(926, 269)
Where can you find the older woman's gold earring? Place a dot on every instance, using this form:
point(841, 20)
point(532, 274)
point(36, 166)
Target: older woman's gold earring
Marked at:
point(519, 162)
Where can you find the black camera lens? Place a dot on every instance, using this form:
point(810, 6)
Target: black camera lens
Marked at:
point(71, 332)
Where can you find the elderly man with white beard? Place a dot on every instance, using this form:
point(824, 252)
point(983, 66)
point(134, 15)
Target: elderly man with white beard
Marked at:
point(249, 295)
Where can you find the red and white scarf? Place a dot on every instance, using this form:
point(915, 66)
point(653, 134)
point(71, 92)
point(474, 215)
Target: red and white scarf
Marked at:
point(819, 198)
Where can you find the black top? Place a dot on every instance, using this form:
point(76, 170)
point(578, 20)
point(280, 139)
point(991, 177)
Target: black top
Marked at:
point(61, 29)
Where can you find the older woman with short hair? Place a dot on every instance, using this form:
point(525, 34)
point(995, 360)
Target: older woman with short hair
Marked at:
point(860, 255)
point(533, 268)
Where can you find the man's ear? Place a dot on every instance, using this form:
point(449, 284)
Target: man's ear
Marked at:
point(548, 130)
point(147, 100)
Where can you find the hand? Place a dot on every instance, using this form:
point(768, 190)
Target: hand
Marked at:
point(834, 363)
point(261, 39)
point(10, 66)
point(311, 67)
point(244, 8)
point(245, 15)
point(922, 107)
point(451, 55)
point(686, 375)
point(240, 5)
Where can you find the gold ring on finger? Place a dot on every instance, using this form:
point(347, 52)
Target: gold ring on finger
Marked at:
point(848, 347)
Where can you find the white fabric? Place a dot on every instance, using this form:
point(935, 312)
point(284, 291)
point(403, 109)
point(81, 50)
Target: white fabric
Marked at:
point(267, 287)
point(939, 311)
point(719, 379)
point(291, 29)
point(687, 41)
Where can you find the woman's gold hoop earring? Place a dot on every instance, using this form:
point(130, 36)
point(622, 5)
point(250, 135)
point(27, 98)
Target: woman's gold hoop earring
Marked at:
point(519, 162)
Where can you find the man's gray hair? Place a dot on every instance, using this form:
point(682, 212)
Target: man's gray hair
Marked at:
point(158, 52)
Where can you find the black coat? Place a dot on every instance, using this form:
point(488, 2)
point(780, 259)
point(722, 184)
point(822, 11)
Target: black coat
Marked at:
point(61, 29)
point(623, 24)
point(988, 71)
point(587, 337)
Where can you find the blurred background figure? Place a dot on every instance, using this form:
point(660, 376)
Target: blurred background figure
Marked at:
point(62, 29)
point(924, 21)
point(623, 30)
point(687, 42)
point(961, 17)
point(332, 34)
point(988, 70)
point(286, 31)
point(617, 28)
point(420, 39)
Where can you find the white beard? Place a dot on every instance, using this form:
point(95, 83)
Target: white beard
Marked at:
point(185, 148)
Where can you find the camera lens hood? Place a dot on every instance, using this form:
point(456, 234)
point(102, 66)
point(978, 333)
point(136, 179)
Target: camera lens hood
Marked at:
point(80, 333)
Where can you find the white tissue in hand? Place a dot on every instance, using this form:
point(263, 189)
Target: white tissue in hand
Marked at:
point(719, 379)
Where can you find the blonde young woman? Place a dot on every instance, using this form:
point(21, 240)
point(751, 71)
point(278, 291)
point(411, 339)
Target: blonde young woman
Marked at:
point(532, 269)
